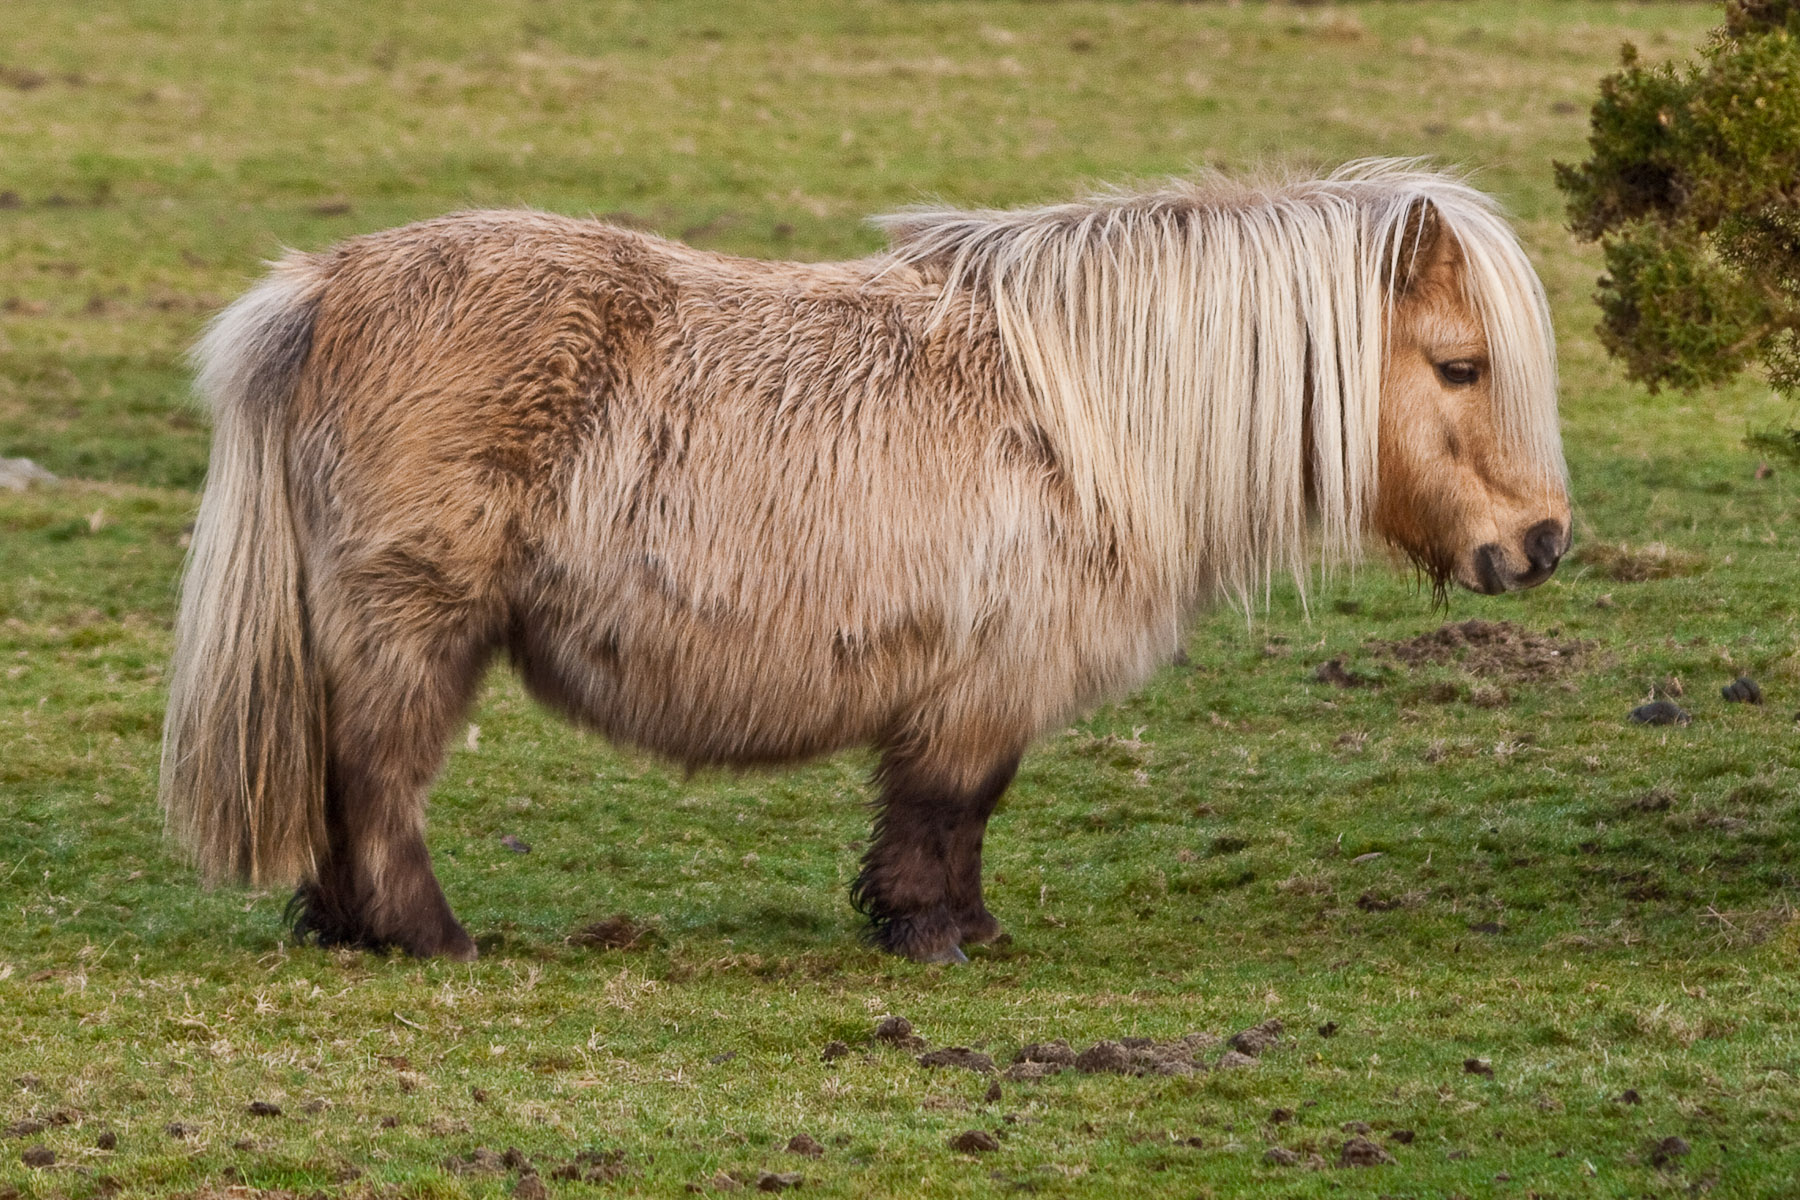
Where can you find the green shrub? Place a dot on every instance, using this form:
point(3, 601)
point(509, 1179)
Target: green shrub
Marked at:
point(1693, 190)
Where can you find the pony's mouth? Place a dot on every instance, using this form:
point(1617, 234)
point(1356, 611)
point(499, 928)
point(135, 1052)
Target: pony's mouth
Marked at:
point(1491, 570)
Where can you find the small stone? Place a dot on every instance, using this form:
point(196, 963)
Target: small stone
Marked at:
point(974, 1141)
point(833, 1051)
point(38, 1157)
point(17, 474)
point(1281, 1156)
point(1361, 1152)
point(802, 1143)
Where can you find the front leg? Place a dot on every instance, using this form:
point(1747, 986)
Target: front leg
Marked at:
point(921, 878)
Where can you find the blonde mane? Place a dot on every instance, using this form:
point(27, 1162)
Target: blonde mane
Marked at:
point(1185, 347)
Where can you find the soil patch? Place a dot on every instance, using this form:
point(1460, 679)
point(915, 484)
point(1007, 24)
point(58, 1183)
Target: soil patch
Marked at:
point(958, 1056)
point(1056, 1053)
point(592, 1166)
point(898, 1031)
point(1257, 1038)
point(1361, 1152)
point(1490, 649)
point(617, 932)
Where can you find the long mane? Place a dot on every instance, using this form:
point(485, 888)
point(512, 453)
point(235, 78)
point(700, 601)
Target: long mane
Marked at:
point(1197, 352)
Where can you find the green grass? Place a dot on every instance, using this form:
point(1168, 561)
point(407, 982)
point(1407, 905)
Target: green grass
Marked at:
point(1588, 905)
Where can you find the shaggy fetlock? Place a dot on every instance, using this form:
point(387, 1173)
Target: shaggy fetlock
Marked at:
point(932, 936)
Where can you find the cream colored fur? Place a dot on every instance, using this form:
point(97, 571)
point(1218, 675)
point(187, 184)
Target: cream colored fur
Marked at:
point(735, 512)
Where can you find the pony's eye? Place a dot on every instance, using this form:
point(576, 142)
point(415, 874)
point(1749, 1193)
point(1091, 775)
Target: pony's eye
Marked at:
point(1460, 372)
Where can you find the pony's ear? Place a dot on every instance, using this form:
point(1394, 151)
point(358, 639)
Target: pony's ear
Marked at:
point(1417, 243)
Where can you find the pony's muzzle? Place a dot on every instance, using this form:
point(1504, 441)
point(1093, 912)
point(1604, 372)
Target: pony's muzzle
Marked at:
point(1543, 546)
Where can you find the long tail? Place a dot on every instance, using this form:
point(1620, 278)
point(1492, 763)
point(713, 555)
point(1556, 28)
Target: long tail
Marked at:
point(243, 756)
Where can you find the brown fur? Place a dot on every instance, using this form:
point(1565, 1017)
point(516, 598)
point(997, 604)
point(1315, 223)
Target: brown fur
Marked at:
point(731, 512)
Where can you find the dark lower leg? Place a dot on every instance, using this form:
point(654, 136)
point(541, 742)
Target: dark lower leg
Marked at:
point(921, 878)
point(375, 888)
point(977, 924)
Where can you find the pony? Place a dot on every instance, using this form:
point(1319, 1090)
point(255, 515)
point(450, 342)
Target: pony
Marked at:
point(740, 513)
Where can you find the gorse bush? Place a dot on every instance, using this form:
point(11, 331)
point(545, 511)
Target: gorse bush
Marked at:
point(1693, 190)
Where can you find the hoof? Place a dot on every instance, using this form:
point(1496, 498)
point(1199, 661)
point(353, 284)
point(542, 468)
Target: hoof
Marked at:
point(978, 928)
point(453, 943)
point(928, 937)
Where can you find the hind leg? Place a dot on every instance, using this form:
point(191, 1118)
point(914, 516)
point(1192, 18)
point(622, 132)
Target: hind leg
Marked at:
point(921, 878)
point(394, 702)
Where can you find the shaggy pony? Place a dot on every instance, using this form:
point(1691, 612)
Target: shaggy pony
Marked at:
point(735, 512)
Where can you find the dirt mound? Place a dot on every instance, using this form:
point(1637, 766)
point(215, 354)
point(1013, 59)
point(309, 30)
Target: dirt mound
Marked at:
point(1490, 649)
point(958, 1056)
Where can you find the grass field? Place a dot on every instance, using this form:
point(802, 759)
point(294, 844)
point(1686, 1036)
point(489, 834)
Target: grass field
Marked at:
point(1556, 948)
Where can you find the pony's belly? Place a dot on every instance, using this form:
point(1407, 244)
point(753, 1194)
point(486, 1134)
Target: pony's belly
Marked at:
point(709, 696)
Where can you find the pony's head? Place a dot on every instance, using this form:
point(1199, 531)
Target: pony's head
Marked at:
point(1471, 481)
point(1224, 369)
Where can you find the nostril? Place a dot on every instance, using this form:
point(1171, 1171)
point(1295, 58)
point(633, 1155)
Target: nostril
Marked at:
point(1487, 569)
point(1543, 544)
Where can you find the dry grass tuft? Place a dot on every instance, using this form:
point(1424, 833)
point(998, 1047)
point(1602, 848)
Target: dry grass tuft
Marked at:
point(1628, 564)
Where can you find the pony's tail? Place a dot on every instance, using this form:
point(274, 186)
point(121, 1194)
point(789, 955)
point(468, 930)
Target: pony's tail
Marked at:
point(243, 753)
